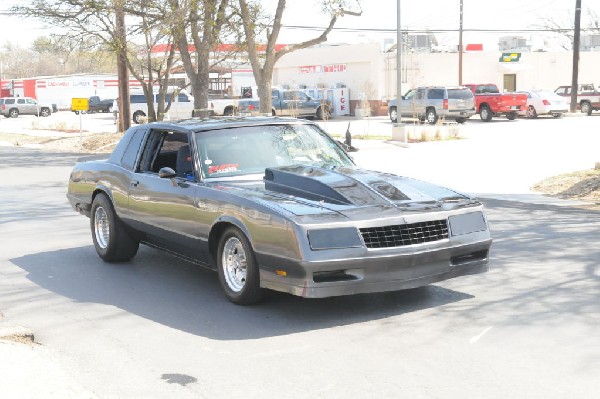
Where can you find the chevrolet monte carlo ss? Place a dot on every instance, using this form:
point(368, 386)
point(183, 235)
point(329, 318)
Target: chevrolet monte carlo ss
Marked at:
point(275, 203)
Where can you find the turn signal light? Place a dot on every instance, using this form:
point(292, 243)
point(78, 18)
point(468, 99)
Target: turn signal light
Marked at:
point(251, 107)
point(280, 272)
point(546, 102)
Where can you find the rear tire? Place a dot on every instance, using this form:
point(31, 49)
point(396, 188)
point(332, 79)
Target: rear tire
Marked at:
point(112, 241)
point(431, 116)
point(511, 116)
point(137, 117)
point(460, 120)
point(45, 112)
point(13, 113)
point(238, 272)
point(557, 115)
point(531, 112)
point(586, 108)
point(393, 115)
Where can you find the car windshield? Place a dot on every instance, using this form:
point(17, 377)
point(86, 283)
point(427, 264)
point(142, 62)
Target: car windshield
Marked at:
point(250, 149)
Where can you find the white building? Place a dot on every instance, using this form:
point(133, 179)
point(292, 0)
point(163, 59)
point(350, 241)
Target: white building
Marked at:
point(370, 73)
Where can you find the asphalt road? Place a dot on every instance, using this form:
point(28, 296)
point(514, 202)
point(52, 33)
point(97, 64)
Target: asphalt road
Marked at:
point(159, 327)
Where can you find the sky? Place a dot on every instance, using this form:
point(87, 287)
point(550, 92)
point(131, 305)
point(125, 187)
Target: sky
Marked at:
point(381, 15)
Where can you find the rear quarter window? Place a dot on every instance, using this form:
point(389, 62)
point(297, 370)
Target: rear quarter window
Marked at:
point(132, 150)
point(460, 94)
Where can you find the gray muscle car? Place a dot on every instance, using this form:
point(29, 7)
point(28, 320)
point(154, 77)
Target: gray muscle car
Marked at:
point(275, 203)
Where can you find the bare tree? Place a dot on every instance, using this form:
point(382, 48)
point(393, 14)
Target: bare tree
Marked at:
point(94, 22)
point(264, 63)
point(562, 26)
point(198, 29)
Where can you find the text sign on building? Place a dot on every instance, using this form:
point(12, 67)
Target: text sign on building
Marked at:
point(323, 68)
point(80, 104)
point(510, 57)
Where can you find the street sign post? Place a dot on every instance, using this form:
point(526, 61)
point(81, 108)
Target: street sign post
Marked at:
point(80, 105)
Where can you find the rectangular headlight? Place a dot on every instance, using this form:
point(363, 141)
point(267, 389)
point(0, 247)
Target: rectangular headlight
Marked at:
point(467, 223)
point(346, 237)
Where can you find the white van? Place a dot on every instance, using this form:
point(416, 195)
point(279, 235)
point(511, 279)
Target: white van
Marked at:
point(182, 107)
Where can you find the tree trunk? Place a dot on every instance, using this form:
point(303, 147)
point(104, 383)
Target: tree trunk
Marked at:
point(264, 92)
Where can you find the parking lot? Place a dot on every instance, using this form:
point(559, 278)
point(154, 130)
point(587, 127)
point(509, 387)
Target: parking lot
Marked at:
point(159, 327)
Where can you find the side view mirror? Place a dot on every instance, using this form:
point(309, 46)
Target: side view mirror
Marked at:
point(166, 173)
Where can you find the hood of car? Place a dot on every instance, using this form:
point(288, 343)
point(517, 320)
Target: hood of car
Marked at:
point(309, 190)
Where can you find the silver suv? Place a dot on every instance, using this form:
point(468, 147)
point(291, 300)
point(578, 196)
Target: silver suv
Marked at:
point(12, 107)
point(431, 103)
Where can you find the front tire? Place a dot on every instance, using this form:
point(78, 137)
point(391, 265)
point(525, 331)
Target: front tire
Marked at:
point(112, 241)
point(238, 272)
point(45, 112)
point(485, 114)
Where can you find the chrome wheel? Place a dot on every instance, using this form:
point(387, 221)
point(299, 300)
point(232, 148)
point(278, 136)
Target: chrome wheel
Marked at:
point(531, 113)
point(234, 264)
point(586, 108)
point(101, 227)
point(393, 115)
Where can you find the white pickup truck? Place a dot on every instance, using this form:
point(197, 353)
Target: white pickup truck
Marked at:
point(222, 106)
point(182, 106)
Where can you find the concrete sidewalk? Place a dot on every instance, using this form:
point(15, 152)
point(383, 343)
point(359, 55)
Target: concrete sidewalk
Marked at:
point(29, 370)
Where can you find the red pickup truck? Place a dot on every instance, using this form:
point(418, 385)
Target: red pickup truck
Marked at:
point(490, 102)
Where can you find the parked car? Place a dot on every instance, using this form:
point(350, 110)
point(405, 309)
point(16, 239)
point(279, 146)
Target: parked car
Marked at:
point(12, 107)
point(489, 102)
point(222, 106)
point(588, 97)
point(431, 103)
point(288, 103)
point(99, 105)
point(543, 103)
point(182, 106)
point(275, 203)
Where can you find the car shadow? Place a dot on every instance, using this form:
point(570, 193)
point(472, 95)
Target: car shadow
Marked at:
point(184, 296)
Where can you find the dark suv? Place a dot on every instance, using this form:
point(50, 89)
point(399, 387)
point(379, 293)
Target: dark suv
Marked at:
point(431, 103)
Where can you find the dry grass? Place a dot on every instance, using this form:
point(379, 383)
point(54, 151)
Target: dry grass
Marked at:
point(581, 185)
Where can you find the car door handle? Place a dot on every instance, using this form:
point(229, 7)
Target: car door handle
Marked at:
point(134, 183)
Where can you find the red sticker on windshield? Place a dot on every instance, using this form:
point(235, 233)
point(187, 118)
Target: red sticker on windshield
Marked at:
point(225, 168)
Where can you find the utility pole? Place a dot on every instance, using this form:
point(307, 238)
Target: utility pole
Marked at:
point(576, 36)
point(460, 45)
point(398, 66)
point(122, 71)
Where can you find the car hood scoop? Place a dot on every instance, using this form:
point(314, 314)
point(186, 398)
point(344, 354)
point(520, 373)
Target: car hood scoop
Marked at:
point(357, 187)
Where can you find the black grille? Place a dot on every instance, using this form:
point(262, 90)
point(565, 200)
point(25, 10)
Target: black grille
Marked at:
point(405, 234)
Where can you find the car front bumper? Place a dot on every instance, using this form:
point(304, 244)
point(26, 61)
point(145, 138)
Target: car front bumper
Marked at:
point(377, 273)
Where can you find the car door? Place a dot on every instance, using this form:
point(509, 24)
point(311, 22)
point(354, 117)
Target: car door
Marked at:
point(306, 105)
point(166, 208)
point(23, 107)
point(407, 105)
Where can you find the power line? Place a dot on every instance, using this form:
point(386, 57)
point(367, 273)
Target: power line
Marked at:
point(429, 30)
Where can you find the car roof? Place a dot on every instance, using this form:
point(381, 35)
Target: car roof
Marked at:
point(213, 123)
